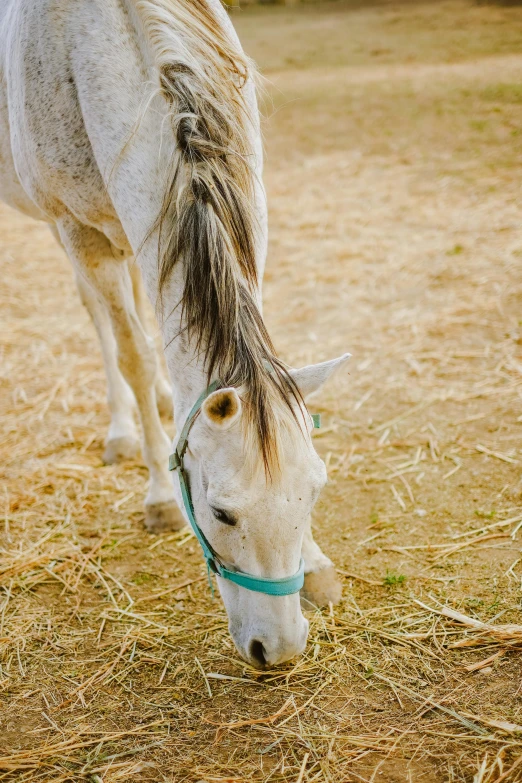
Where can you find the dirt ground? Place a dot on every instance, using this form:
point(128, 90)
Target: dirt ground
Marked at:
point(394, 142)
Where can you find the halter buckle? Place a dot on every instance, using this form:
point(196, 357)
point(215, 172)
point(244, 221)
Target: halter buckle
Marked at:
point(174, 461)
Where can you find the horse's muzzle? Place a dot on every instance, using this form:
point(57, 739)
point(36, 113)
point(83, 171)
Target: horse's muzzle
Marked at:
point(262, 650)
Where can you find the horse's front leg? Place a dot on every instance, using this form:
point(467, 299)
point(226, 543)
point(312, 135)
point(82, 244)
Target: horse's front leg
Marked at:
point(321, 585)
point(122, 442)
point(162, 385)
point(92, 256)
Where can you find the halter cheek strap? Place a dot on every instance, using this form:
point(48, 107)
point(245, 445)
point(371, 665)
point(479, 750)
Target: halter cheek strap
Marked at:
point(285, 586)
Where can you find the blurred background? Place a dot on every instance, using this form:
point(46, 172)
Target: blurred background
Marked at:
point(393, 137)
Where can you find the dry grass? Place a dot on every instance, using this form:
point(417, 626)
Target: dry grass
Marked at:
point(394, 176)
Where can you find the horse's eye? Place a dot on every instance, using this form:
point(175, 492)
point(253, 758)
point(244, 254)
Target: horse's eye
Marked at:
point(222, 516)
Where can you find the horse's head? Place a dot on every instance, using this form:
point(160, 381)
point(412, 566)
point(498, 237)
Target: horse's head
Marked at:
point(255, 524)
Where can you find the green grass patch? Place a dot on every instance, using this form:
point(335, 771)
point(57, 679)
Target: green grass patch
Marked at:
point(142, 578)
point(502, 93)
point(394, 580)
point(485, 514)
point(456, 250)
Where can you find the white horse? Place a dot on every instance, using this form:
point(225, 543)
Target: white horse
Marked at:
point(131, 127)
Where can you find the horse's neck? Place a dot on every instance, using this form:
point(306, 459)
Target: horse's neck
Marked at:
point(186, 368)
point(136, 183)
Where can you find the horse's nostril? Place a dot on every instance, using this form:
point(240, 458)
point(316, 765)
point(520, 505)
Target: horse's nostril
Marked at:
point(257, 652)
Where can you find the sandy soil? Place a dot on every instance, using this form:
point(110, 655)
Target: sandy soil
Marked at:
point(393, 139)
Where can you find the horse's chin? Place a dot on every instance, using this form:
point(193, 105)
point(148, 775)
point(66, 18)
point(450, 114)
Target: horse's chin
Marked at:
point(268, 630)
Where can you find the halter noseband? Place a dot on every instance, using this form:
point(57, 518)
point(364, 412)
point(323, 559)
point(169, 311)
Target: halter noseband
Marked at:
point(285, 586)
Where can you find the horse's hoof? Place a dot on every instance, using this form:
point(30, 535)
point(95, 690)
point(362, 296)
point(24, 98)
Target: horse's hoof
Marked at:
point(321, 588)
point(160, 517)
point(121, 449)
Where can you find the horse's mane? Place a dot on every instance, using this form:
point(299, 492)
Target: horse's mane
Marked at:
point(208, 219)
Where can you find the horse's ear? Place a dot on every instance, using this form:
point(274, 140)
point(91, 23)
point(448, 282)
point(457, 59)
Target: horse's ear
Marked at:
point(222, 409)
point(310, 379)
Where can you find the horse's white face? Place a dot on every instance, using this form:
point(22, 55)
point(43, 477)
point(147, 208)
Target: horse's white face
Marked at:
point(254, 524)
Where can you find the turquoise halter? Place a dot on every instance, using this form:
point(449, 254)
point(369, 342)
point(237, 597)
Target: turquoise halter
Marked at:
point(285, 586)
